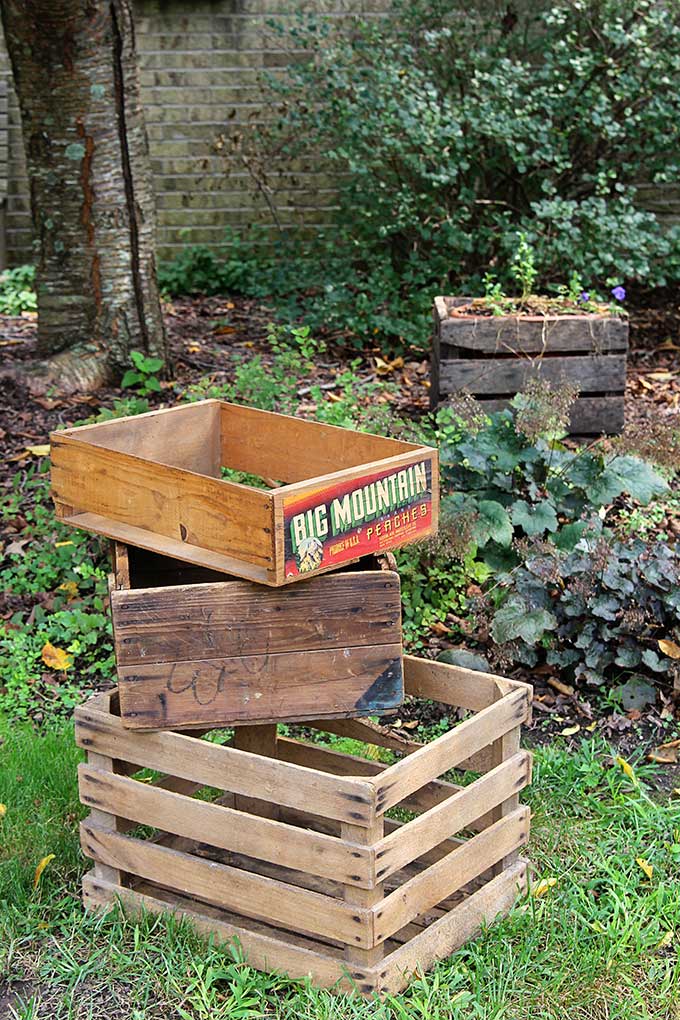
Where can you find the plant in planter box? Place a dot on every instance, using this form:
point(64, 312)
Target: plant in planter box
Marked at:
point(493, 345)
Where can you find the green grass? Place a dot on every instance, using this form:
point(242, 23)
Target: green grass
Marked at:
point(599, 945)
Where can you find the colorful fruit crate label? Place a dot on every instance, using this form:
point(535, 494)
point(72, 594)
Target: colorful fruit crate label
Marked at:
point(326, 526)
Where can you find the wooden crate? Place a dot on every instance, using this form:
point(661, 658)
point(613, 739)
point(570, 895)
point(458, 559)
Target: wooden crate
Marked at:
point(154, 481)
point(195, 648)
point(298, 859)
point(494, 357)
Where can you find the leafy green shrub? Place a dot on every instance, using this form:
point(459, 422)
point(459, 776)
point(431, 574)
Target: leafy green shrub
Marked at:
point(198, 269)
point(569, 584)
point(450, 128)
point(17, 290)
point(599, 610)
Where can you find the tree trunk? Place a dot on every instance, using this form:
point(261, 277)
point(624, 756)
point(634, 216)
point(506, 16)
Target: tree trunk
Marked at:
point(75, 72)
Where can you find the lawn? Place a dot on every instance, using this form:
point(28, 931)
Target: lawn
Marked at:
point(596, 939)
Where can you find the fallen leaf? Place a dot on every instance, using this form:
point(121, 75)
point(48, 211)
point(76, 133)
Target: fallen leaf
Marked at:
point(16, 547)
point(440, 628)
point(70, 587)
point(628, 769)
point(669, 648)
point(39, 451)
point(41, 867)
point(60, 545)
point(661, 376)
point(646, 866)
point(663, 755)
point(56, 658)
point(3, 810)
point(194, 348)
point(543, 886)
point(676, 791)
point(593, 726)
point(665, 940)
point(559, 686)
point(570, 730)
point(224, 330)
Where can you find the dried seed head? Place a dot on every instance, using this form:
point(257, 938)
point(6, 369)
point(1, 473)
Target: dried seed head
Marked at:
point(654, 439)
point(468, 411)
point(543, 410)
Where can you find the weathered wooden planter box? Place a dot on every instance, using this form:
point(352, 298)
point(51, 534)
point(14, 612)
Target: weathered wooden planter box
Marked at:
point(298, 859)
point(195, 648)
point(154, 481)
point(493, 357)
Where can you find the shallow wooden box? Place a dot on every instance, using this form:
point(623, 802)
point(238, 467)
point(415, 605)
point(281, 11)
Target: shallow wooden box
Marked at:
point(493, 357)
point(154, 481)
point(196, 648)
point(298, 859)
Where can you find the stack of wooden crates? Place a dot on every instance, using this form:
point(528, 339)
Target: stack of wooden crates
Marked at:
point(238, 605)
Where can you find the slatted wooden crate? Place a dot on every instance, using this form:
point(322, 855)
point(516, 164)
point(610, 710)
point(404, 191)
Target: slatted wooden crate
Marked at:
point(298, 858)
point(154, 481)
point(493, 357)
point(196, 648)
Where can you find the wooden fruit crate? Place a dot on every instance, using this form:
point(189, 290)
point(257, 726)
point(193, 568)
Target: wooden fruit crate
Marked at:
point(154, 481)
point(206, 650)
point(298, 859)
point(493, 357)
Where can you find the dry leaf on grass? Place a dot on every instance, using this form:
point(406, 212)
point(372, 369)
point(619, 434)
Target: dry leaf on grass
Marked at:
point(41, 867)
point(542, 887)
point(645, 866)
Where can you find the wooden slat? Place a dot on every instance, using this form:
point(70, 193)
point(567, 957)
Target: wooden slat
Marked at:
point(448, 684)
point(223, 619)
point(338, 763)
point(226, 828)
point(453, 815)
point(364, 899)
point(264, 947)
point(587, 416)
point(180, 505)
point(350, 800)
point(291, 449)
point(282, 687)
point(248, 894)
point(367, 731)
point(262, 740)
point(380, 736)
point(528, 334)
point(454, 929)
point(591, 373)
point(432, 760)
point(186, 436)
point(451, 873)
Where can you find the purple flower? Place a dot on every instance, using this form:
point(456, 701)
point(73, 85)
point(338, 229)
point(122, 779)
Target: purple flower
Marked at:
point(619, 293)
point(584, 296)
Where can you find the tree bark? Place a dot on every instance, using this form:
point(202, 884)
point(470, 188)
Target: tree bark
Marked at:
point(75, 72)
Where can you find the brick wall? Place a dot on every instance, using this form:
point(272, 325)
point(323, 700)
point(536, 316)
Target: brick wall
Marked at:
point(200, 61)
point(199, 64)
